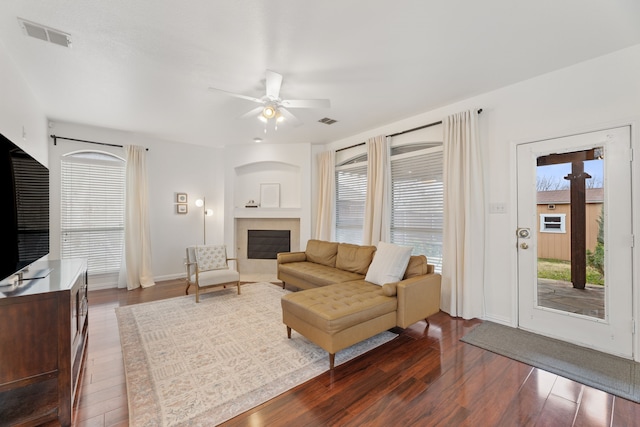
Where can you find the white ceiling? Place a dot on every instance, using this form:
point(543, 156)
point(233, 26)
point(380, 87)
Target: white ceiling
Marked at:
point(146, 65)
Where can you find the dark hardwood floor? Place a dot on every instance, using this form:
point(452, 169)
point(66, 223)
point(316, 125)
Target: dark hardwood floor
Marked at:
point(425, 377)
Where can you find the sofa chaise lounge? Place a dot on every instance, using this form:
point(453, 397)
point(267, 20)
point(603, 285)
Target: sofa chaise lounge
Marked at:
point(351, 292)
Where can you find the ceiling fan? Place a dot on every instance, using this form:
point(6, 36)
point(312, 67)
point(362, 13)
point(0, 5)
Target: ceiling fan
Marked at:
point(274, 107)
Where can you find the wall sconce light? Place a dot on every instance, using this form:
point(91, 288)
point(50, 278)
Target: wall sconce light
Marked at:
point(206, 212)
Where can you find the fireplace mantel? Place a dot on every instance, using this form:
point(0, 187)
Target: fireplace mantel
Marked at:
point(267, 212)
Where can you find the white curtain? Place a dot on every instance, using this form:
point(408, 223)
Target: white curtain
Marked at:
point(378, 202)
point(136, 268)
point(326, 195)
point(463, 243)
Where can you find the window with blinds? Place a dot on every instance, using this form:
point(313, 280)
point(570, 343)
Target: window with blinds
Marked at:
point(417, 202)
point(92, 210)
point(351, 192)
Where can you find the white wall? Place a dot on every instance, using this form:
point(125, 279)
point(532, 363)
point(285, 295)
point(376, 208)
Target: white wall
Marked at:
point(171, 168)
point(591, 95)
point(20, 111)
point(247, 166)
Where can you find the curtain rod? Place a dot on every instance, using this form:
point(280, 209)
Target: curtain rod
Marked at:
point(401, 133)
point(56, 138)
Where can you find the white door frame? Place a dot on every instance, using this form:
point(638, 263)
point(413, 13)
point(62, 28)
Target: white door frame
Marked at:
point(634, 123)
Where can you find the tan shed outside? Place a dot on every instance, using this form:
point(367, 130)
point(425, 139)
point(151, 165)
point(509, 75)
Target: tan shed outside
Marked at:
point(554, 206)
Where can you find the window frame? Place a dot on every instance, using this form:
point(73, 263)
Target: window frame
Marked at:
point(562, 229)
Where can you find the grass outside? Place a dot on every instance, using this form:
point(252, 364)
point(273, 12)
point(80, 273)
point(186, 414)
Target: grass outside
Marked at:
point(561, 270)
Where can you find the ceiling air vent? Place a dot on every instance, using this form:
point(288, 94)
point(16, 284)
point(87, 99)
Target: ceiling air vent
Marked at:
point(327, 121)
point(45, 33)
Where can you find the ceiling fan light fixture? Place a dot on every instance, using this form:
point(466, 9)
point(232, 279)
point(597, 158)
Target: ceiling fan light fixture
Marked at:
point(272, 106)
point(269, 112)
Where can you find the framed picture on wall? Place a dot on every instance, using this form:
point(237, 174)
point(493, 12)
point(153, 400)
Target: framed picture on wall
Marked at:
point(181, 198)
point(269, 195)
point(181, 208)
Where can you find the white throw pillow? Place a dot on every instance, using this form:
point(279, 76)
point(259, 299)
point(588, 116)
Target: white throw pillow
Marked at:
point(389, 264)
point(211, 257)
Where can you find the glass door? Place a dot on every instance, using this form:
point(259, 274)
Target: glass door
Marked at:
point(574, 239)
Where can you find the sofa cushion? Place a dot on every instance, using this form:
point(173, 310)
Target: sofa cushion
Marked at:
point(216, 277)
point(389, 263)
point(319, 275)
point(354, 258)
point(337, 307)
point(417, 267)
point(390, 289)
point(322, 252)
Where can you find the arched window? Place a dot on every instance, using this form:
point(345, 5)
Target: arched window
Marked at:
point(92, 211)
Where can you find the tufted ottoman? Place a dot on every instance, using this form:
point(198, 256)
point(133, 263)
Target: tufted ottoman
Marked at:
point(339, 315)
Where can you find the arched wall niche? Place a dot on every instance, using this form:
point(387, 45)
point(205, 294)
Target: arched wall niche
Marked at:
point(250, 176)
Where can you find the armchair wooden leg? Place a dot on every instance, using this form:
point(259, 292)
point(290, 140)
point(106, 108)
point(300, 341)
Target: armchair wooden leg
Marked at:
point(288, 332)
point(332, 359)
point(186, 291)
point(197, 293)
point(238, 284)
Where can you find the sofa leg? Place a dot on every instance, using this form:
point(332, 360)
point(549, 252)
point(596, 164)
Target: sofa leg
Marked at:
point(288, 332)
point(283, 284)
point(238, 284)
point(332, 359)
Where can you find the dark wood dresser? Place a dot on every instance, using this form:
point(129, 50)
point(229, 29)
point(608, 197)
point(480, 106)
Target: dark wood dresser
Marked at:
point(43, 337)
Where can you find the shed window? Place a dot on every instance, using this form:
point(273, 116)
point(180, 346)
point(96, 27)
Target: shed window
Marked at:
point(552, 223)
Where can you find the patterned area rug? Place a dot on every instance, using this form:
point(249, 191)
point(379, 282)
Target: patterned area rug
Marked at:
point(202, 364)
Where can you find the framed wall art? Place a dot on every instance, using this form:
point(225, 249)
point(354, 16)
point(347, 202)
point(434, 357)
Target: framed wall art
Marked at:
point(181, 198)
point(269, 195)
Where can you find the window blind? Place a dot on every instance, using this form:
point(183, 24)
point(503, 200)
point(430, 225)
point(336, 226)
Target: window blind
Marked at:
point(351, 192)
point(31, 193)
point(92, 211)
point(417, 203)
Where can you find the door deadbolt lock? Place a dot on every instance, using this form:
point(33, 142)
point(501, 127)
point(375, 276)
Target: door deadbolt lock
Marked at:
point(523, 233)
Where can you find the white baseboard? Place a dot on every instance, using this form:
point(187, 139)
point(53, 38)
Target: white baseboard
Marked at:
point(169, 277)
point(501, 320)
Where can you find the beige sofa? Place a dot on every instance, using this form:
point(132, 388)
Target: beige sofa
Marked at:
point(336, 307)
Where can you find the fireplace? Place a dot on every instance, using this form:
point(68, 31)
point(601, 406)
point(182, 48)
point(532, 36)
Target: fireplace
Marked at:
point(250, 265)
point(265, 244)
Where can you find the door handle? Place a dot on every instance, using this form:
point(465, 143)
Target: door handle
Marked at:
point(524, 245)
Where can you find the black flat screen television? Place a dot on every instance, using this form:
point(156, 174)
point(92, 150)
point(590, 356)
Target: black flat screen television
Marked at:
point(24, 187)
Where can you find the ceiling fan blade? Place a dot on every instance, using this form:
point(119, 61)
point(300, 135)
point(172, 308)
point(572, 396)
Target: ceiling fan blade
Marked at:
point(252, 113)
point(289, 118)
point(273, 83)
point(306, 103)
point(237, 95)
